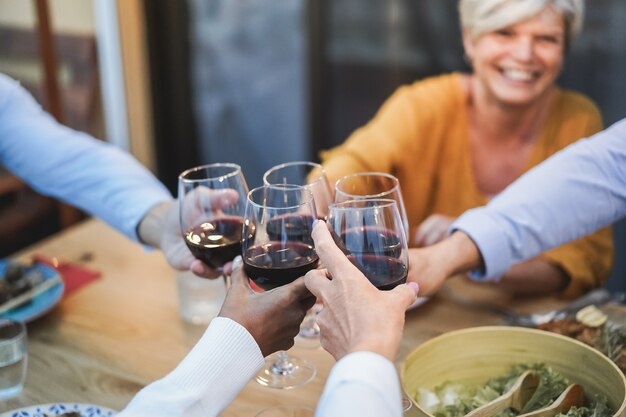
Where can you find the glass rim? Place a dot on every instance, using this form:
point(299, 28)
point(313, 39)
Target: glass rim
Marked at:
point(284, 187)
point(21, 334)
point(394, 179)
point(294, 163)
point(236, 170)
point(384, 202)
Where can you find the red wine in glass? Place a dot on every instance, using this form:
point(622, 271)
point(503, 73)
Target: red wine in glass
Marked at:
point(371, 234)
point(291, 228)
point(273, 264)
point(216, 241)
point(384, 272)
point(372, 240)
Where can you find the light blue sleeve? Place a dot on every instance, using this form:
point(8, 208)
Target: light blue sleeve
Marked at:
point(361, 384)
point(575, 192)
point(72, 166)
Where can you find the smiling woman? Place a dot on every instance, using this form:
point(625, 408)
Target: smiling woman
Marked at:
point(456, 140)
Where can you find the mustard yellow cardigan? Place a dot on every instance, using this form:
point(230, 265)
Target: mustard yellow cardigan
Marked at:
point(421, 136)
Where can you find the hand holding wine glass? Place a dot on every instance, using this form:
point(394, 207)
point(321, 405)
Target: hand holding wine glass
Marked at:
point(346, 325)
point(272, 317)
point(211, 203)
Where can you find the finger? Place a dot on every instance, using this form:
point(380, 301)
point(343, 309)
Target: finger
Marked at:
point(331, 256)
point(406, 294)
point(238, 279)
point(200, 269)
point(317, 282)
point(219, 198)
point(297, 290)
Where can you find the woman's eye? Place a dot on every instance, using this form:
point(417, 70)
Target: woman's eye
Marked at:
point(504, 33)
point(549, 39)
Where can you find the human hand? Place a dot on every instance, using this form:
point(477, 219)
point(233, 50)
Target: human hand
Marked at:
point(431, 266)
point(356, 316)
point(272, 317)
point(172, 240)
point(433, 230)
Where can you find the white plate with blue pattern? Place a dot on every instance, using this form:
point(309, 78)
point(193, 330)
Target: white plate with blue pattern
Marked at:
point(57, 409)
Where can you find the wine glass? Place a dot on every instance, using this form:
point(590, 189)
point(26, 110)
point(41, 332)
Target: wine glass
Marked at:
point(371, 185)
point(277, 248)
point(212, 199)
point(371, 234)
point(307, 174)
point(312, 177)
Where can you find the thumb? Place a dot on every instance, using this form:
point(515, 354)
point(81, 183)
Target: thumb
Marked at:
point(239, 279)
point(406, 293)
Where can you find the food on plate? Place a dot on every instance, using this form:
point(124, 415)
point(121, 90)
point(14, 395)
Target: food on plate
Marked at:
point(17, 279)
point(456, 399)
point(609, 338)
point(591, 316)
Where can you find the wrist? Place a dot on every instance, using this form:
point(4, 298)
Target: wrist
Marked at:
point(379, 347)
point(150, 228)
point(458, 254)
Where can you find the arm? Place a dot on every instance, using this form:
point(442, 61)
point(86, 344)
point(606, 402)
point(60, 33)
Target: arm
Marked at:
point(363, 340)
point(250, 326)
point(535, 276)
point(73, 166)
point(379, 144)
point(573, 193)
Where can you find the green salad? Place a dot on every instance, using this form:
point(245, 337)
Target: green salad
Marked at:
point(455, 399)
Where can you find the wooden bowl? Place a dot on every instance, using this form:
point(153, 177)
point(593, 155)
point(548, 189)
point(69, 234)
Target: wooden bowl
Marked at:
point(477, 354)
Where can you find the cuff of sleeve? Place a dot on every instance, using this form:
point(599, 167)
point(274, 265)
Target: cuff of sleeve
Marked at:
point(226, 352)
point(491, 243)
point(370, 369)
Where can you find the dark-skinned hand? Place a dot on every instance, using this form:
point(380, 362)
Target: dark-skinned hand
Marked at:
point(272, 317)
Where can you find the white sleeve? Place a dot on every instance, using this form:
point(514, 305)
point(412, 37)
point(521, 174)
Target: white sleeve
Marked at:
point(575, 192)
point(72, 166)
point(361, 384)
point(207, 379)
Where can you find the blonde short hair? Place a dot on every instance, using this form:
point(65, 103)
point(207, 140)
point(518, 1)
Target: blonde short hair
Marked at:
point(482, 16)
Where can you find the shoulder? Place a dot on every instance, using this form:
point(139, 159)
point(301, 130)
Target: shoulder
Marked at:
point(577, 104)
point(574, 116)
point(432, 97)
point(444, 87)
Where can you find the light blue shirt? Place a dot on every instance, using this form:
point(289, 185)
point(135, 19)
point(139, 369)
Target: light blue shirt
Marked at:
point(575, 192)
point(72, 166)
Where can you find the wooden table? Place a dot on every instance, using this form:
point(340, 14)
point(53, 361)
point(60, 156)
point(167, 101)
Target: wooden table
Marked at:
point(108, 339)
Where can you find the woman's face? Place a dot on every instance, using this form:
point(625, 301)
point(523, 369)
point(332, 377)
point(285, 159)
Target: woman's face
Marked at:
point(517, 64)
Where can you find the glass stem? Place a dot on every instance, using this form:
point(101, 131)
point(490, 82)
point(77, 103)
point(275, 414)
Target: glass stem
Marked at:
point(282, 365)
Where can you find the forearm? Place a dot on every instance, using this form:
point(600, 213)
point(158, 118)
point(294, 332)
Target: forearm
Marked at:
point(535, 276)
point(207, 380)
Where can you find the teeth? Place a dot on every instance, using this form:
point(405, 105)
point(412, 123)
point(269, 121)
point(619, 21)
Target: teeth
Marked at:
point(518, 75)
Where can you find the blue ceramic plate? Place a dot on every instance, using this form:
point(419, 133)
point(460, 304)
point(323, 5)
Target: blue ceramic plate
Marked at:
point(41, 303)
point(85, 410)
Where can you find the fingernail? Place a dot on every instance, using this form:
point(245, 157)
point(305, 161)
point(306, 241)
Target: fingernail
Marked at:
point(237, 262)
point(316, 221)
point(415, 287)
